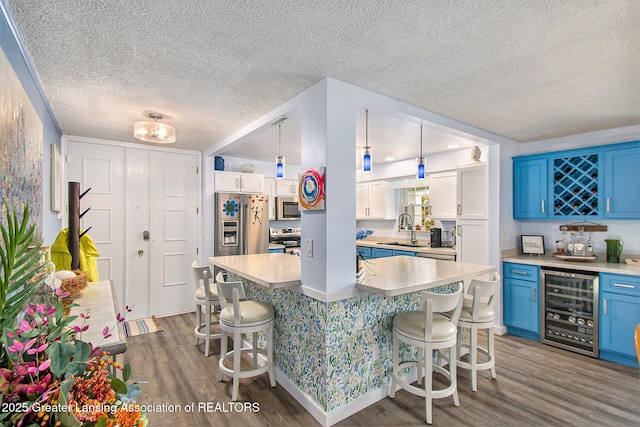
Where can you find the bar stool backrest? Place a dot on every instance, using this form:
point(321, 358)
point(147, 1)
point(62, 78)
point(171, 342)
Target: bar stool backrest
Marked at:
point(202, 276)
point(449, 305)
point(230, 293)
point(480, 289)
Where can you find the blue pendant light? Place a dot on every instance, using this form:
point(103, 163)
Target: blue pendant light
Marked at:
point(420, 174)
point(366, 158)
point(279, 158)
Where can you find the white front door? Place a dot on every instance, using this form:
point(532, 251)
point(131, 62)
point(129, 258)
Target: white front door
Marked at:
point(174, 203)
point(101, 168)
point(134, 190)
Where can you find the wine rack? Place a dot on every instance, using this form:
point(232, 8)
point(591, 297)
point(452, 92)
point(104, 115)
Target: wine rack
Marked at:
point(569, 314)
point(575, 191)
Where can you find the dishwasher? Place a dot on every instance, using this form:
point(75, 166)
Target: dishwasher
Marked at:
point(445, 257)
point(569, 310)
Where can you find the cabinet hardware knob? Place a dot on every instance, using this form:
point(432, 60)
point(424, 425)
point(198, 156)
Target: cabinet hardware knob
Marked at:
point(140, 252)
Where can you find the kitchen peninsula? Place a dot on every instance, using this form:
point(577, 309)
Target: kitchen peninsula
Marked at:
point(334, 356)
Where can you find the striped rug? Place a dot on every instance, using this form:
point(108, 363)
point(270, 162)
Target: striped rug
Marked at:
point(142, 326)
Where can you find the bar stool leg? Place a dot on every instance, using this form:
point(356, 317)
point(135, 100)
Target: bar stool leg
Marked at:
point(396, 363)
point(237, 355)
point(474, 359)
point(223, 351)
point(490, 350)
point(453, 370)
point(428, 383)
point(272, 375)
point(208, 331)
point(198, 320)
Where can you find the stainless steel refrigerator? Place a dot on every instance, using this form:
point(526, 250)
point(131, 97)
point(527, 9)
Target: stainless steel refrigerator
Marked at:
point(241, 224)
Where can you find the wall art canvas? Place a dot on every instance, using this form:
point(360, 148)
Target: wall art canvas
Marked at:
point(20, 148)
point(311, 193)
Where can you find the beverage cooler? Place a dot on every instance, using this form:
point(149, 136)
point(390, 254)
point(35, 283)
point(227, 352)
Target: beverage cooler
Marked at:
point(569, 310)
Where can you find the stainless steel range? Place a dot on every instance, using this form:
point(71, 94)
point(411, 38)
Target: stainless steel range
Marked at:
point(288, 236)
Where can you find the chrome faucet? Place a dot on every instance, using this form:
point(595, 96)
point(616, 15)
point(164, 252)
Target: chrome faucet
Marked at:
point(414, 240)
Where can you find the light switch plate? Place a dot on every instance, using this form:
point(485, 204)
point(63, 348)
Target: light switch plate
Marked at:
point(309, 247)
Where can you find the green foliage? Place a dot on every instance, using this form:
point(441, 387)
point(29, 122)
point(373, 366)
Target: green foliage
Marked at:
point(20, 268)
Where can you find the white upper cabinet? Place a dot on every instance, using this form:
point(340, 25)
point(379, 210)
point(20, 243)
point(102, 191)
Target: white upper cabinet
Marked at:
point(472, 192)
point(373, 201)
point(286, 188)
point(442, 195)
point(238, 182)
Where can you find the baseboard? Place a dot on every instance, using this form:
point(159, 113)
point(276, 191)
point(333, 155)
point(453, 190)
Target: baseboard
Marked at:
point(327, 419)
point(500, 330)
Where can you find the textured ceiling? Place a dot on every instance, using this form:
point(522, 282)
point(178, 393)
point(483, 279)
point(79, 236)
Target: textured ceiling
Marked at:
point(525, 70)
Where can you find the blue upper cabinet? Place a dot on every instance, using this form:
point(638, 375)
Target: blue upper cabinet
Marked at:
point(530, 189)
point(591, 183)
point(622, 183)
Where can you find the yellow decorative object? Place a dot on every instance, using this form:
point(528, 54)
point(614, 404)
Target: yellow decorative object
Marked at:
point(61, 256)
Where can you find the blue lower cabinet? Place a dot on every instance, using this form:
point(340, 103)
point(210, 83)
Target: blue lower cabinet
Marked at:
point(381, 253)
point(619, 315)
point(276, 251)
point(405, 253)
point(522, 300)
point(363, 252)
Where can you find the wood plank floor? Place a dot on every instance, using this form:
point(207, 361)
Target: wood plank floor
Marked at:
point(537, 385)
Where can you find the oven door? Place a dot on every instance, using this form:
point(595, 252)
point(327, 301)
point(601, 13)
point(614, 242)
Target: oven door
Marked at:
point(287, 208)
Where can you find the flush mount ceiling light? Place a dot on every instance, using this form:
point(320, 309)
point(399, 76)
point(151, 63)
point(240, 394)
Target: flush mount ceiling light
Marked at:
point(420, 173)
point(159, 133)
point(366, 157)
point(279, 158)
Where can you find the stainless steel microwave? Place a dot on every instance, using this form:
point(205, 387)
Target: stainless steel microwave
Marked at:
point(287, 208)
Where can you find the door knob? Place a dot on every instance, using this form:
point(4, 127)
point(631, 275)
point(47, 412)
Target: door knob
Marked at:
point(140, 252)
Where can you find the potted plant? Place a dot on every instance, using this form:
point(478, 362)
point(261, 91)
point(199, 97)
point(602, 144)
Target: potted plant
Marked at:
point(48, 375)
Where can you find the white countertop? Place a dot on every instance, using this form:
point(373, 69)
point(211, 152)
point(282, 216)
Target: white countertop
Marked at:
point(99, 299)
point(598, 266)
point(405, 274)
point(379, 242)
point(276, 270)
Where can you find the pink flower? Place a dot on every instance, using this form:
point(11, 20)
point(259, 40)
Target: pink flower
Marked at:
point(44, 365)
point(62, 294)
point(40, 349)
point(119, 318)
point(80, 329)
point(105, 332)
point(19, 347)
point(24, 326)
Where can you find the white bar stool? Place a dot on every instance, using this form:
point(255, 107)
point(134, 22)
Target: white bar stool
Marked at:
point(206, 296)
point(478, 313)
point(433, 327)
point(243, 317)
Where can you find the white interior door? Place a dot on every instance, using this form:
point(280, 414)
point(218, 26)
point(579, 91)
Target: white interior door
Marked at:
point(101, 168)
point(138, 218)
point(174, 231)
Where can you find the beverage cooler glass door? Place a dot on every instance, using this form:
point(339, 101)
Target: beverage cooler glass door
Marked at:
point(569, 312)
